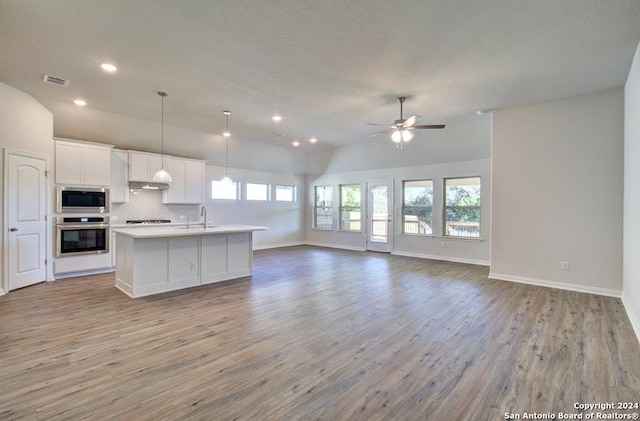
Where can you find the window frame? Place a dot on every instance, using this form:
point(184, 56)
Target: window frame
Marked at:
point(417, 208)
point(294, 193)
point(342, 208)
point(267, 191)
point(446, 207)
point(324, 206)
point(237, 189)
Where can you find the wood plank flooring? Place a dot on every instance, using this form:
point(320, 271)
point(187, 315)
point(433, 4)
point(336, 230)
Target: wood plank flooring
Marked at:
point(314, 334)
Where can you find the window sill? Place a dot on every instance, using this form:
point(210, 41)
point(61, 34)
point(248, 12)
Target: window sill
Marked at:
point(322, 229)
point(472, 239)
point(404, 234)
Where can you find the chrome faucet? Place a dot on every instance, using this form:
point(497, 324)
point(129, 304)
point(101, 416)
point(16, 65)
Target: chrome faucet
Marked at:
point(203, 212)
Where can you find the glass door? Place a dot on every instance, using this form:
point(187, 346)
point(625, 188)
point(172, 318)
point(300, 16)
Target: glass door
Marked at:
point(379, 216)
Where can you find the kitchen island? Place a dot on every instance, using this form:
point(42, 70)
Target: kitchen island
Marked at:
point(155, 260)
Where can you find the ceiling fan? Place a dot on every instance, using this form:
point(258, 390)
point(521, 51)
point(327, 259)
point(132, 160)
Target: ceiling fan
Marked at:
point(403, 128)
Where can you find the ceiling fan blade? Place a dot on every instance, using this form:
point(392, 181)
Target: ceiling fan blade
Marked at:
point(412, 120)
point(429, 126)
point(378, 133)
point(378, 124)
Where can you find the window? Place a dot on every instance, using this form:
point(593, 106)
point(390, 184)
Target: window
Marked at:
point(285, 193)
point(220, 190)
point(257, 191)
point(323, 207)
point(417, 206)
point(350, 214)
point(462, 207)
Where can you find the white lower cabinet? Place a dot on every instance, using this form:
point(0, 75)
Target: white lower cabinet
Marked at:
point(146, 266)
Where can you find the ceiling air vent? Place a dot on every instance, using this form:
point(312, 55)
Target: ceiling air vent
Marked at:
point(52, 80)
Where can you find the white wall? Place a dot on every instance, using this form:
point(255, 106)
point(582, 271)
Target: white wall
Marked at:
point(285, 220)
point(460, 250)
point(465, 140)
point(631, 242)
point(557, 193)
point(27, 126)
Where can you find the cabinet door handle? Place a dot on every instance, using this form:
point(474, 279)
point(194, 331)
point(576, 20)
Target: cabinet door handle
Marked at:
point(13, 229)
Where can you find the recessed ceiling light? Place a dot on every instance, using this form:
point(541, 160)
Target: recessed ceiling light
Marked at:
point(276, 118)
point(80, 102)
point(295, 143)
point(313, 140)
point(108, 67)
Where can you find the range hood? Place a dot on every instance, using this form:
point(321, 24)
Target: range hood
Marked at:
point(148, 185)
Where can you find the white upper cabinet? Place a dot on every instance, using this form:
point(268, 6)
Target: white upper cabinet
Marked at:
point(143, 165)
point(188, 181)
point(119, 176)
point(82, 163)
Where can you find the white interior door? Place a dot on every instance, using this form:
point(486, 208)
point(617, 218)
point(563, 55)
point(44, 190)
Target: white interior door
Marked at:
point(379, 216)
point(25, 185)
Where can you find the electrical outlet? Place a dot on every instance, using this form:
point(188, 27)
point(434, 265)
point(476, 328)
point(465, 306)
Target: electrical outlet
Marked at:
point(443, 245)
point(181, 217)
point(193, 266)
point(564, 265)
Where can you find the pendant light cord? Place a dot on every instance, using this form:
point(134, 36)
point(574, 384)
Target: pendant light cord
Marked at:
point(162, 95)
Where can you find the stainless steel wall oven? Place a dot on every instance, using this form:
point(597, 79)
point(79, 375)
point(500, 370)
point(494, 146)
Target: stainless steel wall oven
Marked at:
point(82, 235)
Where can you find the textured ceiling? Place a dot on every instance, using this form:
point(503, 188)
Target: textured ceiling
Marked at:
point(328, 67)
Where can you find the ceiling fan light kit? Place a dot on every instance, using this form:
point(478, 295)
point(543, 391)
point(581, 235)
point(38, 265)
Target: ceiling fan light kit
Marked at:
point(403, 128)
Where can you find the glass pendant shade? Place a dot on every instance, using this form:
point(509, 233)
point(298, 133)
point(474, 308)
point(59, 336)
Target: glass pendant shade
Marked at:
point(396, 136)
point(162, 176)
point(226, 180)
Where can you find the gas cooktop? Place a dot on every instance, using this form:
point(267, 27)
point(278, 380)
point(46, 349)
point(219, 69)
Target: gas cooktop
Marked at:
point(148, 221)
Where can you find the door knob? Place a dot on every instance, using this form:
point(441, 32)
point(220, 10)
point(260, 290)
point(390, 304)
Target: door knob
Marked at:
point(13, 229)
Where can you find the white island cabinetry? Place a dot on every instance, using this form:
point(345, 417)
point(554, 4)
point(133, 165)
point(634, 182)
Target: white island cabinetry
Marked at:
point(156, 260)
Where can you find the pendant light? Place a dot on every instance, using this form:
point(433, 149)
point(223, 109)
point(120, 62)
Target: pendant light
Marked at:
point(226, 179)
point(162, 175)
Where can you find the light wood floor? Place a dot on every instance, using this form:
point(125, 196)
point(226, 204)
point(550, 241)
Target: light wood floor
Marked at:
point(314, 334)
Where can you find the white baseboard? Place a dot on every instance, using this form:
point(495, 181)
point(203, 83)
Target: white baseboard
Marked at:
point(63, 275)
point(2, 292)
point(445, 258)
point(336, 246)
point(553, 284)
point(633, 317)
point(275, 246)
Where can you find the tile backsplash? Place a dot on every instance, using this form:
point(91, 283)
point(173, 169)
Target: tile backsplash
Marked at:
point(144, 204)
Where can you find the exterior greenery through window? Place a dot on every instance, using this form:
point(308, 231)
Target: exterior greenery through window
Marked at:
point(462, 207)
point(417, 207)
point(350, 207)
point(323, 207)
point(220, 190)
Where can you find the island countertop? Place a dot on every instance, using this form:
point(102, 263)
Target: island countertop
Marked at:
point(183, 230)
